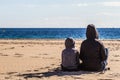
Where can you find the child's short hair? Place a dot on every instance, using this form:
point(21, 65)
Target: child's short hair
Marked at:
point(69, 43)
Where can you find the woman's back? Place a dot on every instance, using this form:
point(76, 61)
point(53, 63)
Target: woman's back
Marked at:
point(92, 52)
point(91, 55)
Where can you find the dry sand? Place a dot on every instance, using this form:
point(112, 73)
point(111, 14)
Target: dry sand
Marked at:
point(40, 60)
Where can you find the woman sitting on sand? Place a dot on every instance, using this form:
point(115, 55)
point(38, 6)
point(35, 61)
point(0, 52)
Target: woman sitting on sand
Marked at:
point(70, 56)
point(92, 52)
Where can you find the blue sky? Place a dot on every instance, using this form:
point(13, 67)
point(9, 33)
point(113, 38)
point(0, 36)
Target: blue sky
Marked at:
point(59, 13)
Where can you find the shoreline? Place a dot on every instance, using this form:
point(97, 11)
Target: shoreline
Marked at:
point(61, 39)
point(49, 41)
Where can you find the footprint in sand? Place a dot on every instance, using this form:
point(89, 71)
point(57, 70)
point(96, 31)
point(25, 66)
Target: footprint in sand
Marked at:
point(51, 58)
point(36, 70)
point(47, 67)
point(52, 64)
point(4, 55)
point(7, 77)
point(9, 48)
point(12, 48)
point(105, 79)
point(2, 73)
point(34, 56)
point(43, 54)
point(48, 57)
point(18, 55)
point(22, 46)
point(1, 54)
point(10, 73)
point(30, 45)
point(28, 70)
point(114, 60)
point(116, 55)
point(41, 68)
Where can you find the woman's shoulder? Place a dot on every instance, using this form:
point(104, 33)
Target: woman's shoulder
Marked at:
point(95, 41)
point(99, 42)
point(84, 41)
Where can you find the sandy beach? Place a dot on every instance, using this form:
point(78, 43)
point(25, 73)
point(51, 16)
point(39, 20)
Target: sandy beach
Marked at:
point(40, 60)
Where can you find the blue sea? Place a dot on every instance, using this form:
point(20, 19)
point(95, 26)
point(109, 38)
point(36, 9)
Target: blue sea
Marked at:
point(56, 33)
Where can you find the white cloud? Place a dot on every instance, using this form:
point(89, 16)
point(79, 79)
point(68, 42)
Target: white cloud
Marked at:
point(106, 14)
point(80, 4)
point(109, 14)
point(112, 4)
point(46, 19)
point(84, 4)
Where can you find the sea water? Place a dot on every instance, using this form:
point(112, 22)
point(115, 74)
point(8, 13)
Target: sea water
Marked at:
point(56, 33)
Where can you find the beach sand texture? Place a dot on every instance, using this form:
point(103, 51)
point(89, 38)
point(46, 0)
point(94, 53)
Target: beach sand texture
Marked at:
point(40, 60)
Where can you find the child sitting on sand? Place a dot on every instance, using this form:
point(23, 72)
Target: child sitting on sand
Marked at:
point(70, 56)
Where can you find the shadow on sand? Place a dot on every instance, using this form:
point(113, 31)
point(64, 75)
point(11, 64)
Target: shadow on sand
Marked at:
point(52, 72)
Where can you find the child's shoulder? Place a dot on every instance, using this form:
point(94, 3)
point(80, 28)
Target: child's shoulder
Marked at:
point(75, 50)
point(72, 49)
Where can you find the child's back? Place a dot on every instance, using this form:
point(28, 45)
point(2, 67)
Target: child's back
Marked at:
point(70, 56)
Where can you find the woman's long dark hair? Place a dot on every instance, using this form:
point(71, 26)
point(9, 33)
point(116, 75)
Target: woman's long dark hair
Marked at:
point(91, 32)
